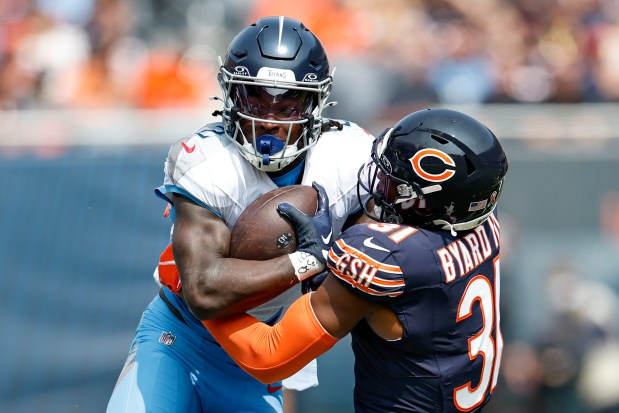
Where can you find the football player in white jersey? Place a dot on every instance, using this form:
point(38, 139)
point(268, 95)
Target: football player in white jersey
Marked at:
point(275, 80)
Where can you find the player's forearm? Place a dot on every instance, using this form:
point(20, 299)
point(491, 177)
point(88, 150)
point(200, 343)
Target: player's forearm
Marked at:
point(271, 354)
point(230, 286)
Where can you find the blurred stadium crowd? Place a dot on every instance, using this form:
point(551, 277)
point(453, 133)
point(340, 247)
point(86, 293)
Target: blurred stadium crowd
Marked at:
point(162, 53)
point(391, 57)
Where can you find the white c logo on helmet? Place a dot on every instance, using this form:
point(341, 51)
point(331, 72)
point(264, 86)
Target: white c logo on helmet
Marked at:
point(446, 159)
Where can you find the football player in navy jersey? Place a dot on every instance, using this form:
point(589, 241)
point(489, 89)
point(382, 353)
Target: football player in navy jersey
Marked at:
point(417, 287)
point(275, 80)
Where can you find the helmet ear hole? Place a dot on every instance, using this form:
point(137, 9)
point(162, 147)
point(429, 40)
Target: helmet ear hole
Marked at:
point(440, 140)
point(470, 168)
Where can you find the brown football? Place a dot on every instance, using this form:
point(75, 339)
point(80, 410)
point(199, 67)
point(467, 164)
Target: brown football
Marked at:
point(261, 232)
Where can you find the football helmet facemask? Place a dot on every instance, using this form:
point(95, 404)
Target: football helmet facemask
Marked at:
point(275, 71)
point(437, 169)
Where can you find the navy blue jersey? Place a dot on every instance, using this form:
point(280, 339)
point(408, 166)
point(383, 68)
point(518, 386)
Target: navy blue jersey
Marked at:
point(445, 292)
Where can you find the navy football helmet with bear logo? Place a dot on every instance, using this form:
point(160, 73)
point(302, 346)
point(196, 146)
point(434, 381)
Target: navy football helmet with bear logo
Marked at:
point(437, 169)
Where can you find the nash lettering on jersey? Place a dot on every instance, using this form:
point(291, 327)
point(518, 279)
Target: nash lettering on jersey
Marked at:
point(364, 272)
point(467, 253)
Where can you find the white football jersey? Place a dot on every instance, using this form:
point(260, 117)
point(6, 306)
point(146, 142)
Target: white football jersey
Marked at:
point(208, 169)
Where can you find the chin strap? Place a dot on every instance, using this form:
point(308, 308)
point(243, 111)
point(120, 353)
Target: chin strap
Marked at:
point(445, 225)
point(462, 226)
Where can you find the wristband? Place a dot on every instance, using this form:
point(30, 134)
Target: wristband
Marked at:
point(305, 264)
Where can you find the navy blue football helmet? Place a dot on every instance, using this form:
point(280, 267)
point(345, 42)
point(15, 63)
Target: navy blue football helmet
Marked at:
point(437, 169)
point(277, 72)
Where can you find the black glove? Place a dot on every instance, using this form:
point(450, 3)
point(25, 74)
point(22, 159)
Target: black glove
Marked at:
point(312, 283)
point(314, 234)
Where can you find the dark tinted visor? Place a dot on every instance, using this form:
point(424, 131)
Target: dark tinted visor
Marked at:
point(266, 102)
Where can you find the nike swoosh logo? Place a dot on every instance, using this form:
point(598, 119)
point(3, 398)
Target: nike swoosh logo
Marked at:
point(273, 389)
point(328, 238)
point(188, 148)
point(368, 243)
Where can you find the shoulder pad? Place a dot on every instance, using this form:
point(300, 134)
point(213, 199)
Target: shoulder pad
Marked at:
point(190, 151)
point(360, 260)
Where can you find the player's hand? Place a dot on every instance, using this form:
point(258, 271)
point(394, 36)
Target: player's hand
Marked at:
point(314, 235)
